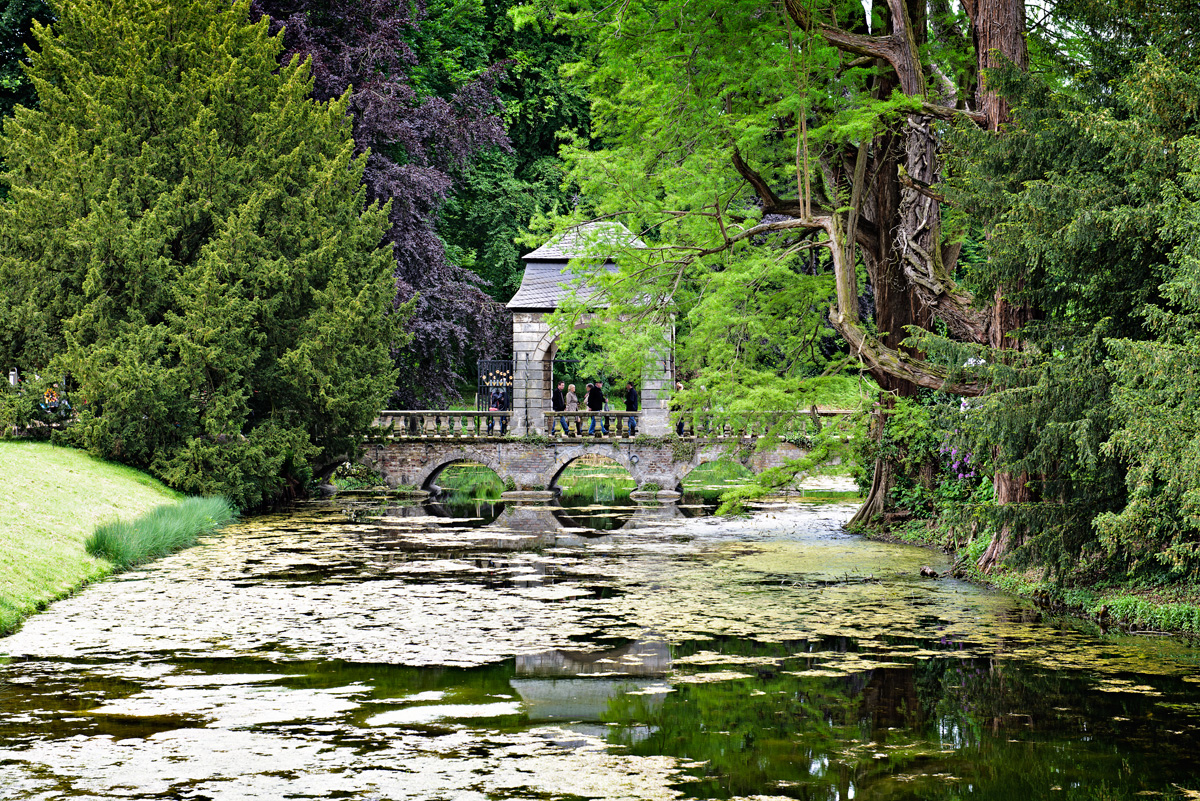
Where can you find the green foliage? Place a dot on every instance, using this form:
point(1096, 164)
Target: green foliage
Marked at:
point(161, 532)
point(475, 481)
point(501, 190)
point(16, 22)
point(354, 476)
point(682, 450)
point(1088, 203)
point(837, 440)
point(595, 480)
point(677, 90)
point(188, 240)
point(1157, 400)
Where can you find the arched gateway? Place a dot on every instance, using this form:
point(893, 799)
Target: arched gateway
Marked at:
point(545, 284)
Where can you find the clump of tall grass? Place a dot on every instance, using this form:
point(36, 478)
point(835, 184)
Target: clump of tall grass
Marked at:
point(722, 472)
point(471, 480)
point(164, 530)
point(597, 479)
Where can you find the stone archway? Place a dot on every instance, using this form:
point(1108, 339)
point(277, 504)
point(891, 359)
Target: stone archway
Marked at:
point(433, 469)
point(551, 276)
point(565, 456)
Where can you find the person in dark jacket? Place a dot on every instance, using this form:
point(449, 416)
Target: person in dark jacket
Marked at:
point(676, 409)
point(498, 403)
point(631, 405)
point(595, 403)
point(559, 404)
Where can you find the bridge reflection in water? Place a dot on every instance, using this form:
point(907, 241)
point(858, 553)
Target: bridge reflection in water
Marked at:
point(561, 685)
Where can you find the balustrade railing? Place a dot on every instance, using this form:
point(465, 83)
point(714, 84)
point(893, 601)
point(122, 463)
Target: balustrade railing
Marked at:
point(433, 423)
point(428, 423)
point(606, 425)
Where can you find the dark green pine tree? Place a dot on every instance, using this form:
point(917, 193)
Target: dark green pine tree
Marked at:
point(187, 239)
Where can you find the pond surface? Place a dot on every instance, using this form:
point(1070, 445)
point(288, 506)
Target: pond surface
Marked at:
point(354, 648)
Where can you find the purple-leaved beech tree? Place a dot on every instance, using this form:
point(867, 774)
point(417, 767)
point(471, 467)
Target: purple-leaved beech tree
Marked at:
point(416, 144)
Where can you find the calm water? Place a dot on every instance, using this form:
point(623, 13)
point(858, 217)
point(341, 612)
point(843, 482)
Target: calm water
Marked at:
point(357, 649)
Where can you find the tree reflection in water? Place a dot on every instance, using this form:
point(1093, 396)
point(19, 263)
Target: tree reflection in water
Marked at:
point(940, 728)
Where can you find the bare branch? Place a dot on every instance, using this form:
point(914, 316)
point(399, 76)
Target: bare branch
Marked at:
point(947, 113)
point(919, 186)
point(768, 197)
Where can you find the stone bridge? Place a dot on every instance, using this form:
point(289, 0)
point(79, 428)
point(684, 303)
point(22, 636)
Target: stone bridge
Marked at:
point(425, 443)
point(534, 465)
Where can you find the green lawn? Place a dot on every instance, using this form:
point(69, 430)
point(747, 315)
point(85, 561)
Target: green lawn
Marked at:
point(51, 499)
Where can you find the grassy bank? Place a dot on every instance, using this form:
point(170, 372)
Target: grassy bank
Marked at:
point(52, 500)
point(1131, 606)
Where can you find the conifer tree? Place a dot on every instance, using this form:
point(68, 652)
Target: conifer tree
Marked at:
point(188, 241)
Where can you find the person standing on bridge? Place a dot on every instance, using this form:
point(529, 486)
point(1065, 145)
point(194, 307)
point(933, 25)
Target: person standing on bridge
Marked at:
point(595, 403)
point(631, 405)
point(559, 404)
point(498, 403)
point(572, 403)
point(677, 409)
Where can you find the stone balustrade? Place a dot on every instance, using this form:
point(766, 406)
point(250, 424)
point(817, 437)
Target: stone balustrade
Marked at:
point(441, 423)
point(433, 423)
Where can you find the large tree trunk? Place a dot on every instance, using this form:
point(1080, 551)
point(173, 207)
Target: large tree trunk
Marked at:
point(911, 271)
point(998, 28)
point(884, 476)
point(1012, 489)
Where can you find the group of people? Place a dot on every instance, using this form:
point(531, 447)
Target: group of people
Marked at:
point(566, 401)
point(594, 401)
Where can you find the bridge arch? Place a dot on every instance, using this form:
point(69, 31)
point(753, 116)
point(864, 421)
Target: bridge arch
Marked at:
point(708, 456)
point(564, 457)
point(432, 469)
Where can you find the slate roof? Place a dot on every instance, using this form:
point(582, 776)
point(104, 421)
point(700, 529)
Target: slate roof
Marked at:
point(548, 277)
point(589, 239)
point(544, 284)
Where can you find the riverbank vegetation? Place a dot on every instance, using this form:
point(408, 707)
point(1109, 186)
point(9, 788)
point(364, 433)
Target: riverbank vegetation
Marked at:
point(162, 531)
point(53, 500)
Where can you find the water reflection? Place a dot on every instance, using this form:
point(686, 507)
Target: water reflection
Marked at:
point(371, 649)
point(571, 685)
